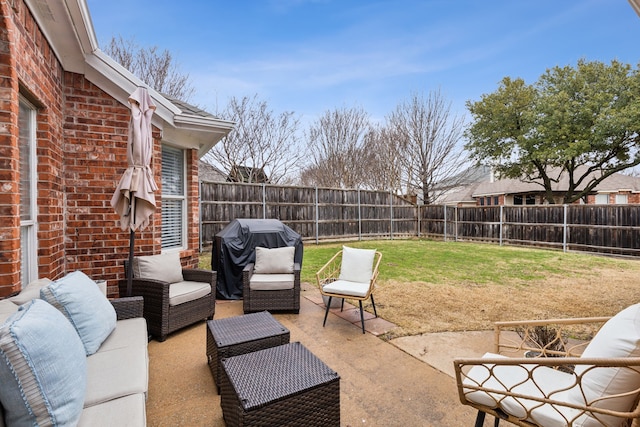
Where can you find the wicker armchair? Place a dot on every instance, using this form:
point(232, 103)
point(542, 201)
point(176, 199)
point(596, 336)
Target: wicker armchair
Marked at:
point(351, 273)
point(273, 282)
point(165, 314)
point(566, 378)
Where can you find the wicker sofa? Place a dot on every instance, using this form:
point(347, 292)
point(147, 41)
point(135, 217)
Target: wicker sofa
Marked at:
point(174, 297)
point(116, 373)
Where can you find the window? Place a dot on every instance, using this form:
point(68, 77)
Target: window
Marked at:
point(173, 198)
point(28, 180)
point(488, 201)
point(517, 199)
point(481, 201)
point(602, 199)
point(496, 200)
point(621, 199)
point(531, 199)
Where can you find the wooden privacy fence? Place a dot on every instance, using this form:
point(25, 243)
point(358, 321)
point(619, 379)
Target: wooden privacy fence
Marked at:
point(314, 213)
point(336, 214)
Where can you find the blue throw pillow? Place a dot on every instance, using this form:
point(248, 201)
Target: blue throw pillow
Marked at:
point(43, 368)
point(79, 298)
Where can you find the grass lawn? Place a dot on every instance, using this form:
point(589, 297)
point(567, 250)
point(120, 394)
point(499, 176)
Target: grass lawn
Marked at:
point(432, 286)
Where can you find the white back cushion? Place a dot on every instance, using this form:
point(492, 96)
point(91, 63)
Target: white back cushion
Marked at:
point(619, 337)
point(274, 261)
point(164, 267)
point(357, 264)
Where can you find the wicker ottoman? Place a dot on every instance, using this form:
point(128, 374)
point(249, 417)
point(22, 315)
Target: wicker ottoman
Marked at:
point(239, 335)
point(279, 386)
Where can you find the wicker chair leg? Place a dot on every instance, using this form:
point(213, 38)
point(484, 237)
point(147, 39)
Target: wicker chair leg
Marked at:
point(361, 316)
point(480, 419)
point(326, 313)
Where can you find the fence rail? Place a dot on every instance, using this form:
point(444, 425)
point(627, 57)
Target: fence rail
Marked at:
point(321, 214)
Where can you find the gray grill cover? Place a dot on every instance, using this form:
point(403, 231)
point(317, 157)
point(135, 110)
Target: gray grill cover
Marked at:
point(234, 247)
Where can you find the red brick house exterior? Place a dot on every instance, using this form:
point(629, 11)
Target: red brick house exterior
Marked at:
point(75, 97)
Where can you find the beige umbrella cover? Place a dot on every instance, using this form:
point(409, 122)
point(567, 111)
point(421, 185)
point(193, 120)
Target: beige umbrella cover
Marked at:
point(134, 198)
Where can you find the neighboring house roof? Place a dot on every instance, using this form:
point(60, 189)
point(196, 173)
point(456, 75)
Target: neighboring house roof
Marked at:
point(210, 173)
point(67, 26)
point(613, 183)
point(247, 174)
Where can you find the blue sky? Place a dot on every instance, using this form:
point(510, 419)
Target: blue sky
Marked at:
point(310, 56)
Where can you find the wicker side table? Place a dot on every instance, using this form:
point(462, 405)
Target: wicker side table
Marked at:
point(237, 335)
point(279, 386)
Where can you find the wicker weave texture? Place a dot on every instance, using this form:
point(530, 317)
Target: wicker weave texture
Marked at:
point(283, 385)
point(238, 335)
point(280, 300)
point(128, 308)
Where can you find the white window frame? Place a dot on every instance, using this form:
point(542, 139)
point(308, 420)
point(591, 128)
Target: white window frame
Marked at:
point(622, 199)
point(176, 197)
point(29, 227)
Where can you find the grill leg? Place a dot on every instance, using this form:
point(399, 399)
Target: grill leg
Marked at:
point(326, 312)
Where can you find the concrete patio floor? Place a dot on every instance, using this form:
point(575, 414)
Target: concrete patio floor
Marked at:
point(405, 382)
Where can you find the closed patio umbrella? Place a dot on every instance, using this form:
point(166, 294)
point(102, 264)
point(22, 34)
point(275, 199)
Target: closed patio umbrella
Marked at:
point(134, 199)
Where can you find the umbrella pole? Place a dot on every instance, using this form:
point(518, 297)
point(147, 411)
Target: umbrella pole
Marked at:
point(132, 238)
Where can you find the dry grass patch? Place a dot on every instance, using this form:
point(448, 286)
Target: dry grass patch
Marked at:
point(419, 307)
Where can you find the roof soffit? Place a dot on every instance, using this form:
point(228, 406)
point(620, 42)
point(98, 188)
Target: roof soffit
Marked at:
point(67, 26)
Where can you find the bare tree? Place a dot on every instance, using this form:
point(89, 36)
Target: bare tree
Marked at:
point(156, 68)
point(427, 137)
point(381, 164)
point(335, 152)
point(263, 142)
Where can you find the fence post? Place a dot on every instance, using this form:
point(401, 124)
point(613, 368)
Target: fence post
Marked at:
point(359, 218)
point(444, 236)
point(501, 221)
point(391, 214)
point(418, 211)
point(455, 213)
point(564, 229)
point(317, 219)
point(264, 202)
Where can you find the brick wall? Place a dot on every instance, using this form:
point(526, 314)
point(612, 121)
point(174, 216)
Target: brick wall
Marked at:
point(81, 154)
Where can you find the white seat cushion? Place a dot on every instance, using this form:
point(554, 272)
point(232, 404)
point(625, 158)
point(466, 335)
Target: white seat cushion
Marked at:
point(516, 379)
point(116, 373)
point(345, 287)
point(271, 282)
point(186, 291)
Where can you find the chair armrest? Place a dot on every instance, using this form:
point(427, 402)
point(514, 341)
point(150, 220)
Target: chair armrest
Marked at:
point(247, 272)
point(199, 275)
point(330, 271)
point(555, 337)
point(488, 383)
point(128, 307)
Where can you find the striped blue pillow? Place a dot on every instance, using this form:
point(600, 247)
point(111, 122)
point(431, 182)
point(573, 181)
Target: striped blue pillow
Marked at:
point(43, 368)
